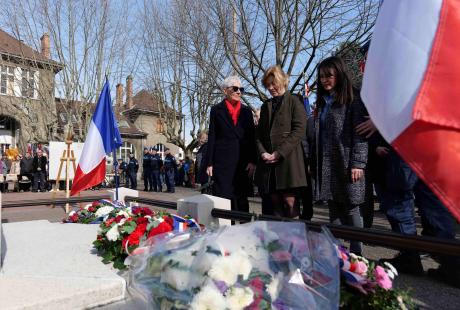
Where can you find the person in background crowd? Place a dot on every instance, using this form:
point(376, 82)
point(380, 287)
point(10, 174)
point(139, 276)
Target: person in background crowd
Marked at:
point(179, 176)
point(39, 169)
point(341, 153)
point(190, 171)
point(3, 172)
point(399, 190)
point(374, 161)
point(231, 153)
point(15, 165)
point(147, 169)
point(200, 163)
point(132, 168)
point(186, 167)
point(282, 126)
point(170, 168)
point(306, 195)
point(156, 165)
point(121, 173)
point(26, 169)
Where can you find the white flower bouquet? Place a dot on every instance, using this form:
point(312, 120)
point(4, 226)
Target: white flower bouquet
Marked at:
point(259, 265)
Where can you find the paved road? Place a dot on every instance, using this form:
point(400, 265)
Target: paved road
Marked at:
point(429, 294)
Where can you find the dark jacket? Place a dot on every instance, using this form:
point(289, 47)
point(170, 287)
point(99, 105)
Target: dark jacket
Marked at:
point(26, 165)
point(342, 150)
point(230, 149)
point(133, 165)
point(39, 162)
point(284, 136)
point(201, 164)
point(146, 161)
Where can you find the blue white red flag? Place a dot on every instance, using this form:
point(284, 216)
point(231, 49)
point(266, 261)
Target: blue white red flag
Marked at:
point(410, 88)
point(103, 137)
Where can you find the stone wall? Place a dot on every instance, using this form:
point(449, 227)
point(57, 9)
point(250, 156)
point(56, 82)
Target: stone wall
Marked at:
point(36, 117)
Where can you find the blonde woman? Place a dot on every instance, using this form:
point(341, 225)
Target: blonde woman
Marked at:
point(281, 128)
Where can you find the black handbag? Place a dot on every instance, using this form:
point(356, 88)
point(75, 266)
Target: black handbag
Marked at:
point(207, 187)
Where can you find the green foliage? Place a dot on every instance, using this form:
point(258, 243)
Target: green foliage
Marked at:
point(381, 299)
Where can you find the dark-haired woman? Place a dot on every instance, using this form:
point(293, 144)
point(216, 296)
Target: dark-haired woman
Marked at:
point(341, 152)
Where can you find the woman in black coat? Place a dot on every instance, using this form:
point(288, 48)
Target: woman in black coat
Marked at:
point(231, 153)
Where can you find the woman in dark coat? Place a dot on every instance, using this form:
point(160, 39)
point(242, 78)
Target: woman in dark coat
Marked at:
point(231, 154)
point(340, 151)
point(281, 128)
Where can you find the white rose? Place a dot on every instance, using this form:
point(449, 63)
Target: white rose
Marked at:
point(239, 297)
point(227, 268)
point(208, 298)
point(123, 213)
point(274, 287)
point(113, 234)
point(104, 211)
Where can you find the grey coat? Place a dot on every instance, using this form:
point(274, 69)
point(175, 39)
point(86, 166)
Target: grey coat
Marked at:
point(342, 150)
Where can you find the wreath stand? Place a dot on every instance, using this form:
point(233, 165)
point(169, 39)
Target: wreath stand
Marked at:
point(67, 157)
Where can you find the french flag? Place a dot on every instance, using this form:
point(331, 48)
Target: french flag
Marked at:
point(411, 88)
point(103, 137)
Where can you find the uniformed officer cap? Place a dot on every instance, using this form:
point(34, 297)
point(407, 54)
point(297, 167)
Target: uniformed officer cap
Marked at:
point(146, 148)
point(153, 148)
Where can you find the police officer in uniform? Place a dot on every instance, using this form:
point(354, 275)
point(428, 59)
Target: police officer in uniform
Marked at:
point(133, 167)
point(156, 165)
point(121, 173)
point(170, 167)
point(147, 169)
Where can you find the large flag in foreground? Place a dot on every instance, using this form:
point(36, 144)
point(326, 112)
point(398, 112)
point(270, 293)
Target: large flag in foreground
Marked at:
point(103, 137)
point(411, 89)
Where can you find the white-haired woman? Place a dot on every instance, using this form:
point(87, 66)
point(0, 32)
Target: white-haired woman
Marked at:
point(231, 154)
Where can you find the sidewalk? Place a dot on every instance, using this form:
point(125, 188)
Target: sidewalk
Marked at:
point(430, 294)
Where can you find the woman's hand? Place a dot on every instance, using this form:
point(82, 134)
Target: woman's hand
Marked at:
point(250, 169)
point(366, 128)
point(209, 171)
point(382, 151)
point(356, 174)
point(271, 158)
point(265, 156)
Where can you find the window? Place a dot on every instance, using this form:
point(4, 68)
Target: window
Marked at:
point(160, 126)
point(123, 124)
point(29, 85)
point(63, 118)
point(7, 80)
point(124, 150)
point(160, 149)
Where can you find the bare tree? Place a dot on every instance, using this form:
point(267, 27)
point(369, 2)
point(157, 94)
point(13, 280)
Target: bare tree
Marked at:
point(185, 61)
point(294, 34)
point(90, 38)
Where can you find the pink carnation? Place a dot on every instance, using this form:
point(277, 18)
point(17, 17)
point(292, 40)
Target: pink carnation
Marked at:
point(281, 256)
point(382, 279)
point(361, 268)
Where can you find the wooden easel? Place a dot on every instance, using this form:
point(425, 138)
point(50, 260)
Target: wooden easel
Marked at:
point(67, 157)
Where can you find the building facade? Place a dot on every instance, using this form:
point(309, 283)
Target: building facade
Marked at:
point(140, 122)
point(27, 105)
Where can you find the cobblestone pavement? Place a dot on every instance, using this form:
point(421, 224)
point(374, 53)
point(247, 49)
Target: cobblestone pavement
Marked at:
point(428, 293)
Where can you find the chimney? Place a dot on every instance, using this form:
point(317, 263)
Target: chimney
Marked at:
point(45, 44)
point(129, 91)
point(119, 98)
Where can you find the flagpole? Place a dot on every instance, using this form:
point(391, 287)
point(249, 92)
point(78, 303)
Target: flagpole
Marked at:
point(115, 166)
